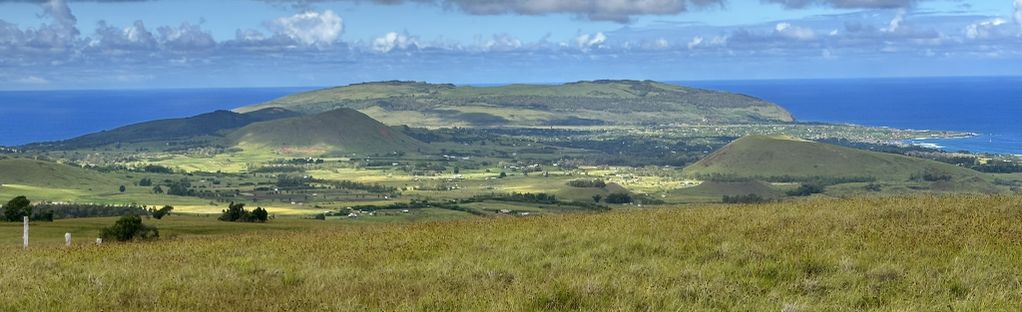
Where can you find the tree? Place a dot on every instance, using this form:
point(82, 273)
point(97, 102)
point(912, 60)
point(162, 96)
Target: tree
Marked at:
point(122, 189)
point(145, 182)
point(260, 215)
point(503, 175)
point(130, 228)
point(596, 198)
point(159, 214)
point(236, 212)
point(17, 208)
point(618, 198)
point(157, 190)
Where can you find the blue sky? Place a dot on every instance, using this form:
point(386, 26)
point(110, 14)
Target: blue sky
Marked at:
point(238, 43)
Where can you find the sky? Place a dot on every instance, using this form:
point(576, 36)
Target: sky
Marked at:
point(126, 44)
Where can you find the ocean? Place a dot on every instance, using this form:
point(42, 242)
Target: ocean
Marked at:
point(991, 107)
point(988, 106)
point(38, 116)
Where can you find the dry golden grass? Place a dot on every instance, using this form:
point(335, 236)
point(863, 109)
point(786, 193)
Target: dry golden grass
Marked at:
point(939, 253)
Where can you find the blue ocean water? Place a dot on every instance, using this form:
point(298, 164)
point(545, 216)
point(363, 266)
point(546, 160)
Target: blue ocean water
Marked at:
point(36, 116)
point(989, 106)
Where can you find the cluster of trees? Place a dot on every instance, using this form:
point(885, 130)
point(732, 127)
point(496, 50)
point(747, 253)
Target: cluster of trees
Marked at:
point(806, 189)
point(744, 199)
point(618, 198)
point(596, 183)
point(129, 228)
point(236, 212)
point(352, 185)
point(19, 207)
point(157, 169)
point(289, 181)
point(65, 211)
point(162, 212)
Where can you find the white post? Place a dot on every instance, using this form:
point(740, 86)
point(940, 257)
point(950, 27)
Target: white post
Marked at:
point(67, 239)
point(24, 236)
point(99, 241)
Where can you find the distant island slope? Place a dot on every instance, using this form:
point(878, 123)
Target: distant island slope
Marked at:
point(584, 103)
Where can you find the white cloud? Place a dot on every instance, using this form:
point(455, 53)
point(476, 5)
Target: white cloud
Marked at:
point(587, 41)
point(1018, 12)
point(186, 37)
point(895, 23)
point(33, 80)
point(790, 31)
point(985, 29)
point(310, 28)
point(134, 37)
point(393, 40)
point(503, 42)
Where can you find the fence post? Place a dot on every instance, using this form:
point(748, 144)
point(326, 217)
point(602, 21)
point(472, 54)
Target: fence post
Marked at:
point(24, 236)
point(67, 239)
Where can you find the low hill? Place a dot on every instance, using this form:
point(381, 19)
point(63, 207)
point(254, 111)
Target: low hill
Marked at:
point(604, 102)
point(208, 124)
point(771, 157)
point(48, 174)
point(341, 130)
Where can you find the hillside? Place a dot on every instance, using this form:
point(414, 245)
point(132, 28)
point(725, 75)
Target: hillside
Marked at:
point(605, 102)
point(340, 130)
point(208, 124)
point(39, 173)
point(932, 253)
point(766, 156)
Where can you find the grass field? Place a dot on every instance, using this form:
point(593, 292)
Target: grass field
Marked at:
point(924, 253)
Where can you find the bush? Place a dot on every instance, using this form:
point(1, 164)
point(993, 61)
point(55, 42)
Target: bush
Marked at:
point(159, 214)
point(806, 190)
point(588, 183)
point(130, 228)
point(744, 199)
point(237, 213)
point(17, 208)
point(618, 198)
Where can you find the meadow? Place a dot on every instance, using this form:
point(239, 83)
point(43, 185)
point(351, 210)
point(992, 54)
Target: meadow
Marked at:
point(919, 253)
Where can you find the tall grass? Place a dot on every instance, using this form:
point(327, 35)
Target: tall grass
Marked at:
point(934, 253)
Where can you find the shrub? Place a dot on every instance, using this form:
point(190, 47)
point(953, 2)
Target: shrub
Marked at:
point(237, 213)
point(806, 190)
point(588, 183)
point(744, 199)
point(618, 198)
point(159, 214)
point(17, 208)
point(129, 228)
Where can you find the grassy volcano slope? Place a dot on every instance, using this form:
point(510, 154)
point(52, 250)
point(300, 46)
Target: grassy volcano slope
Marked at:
point(934, 253)
point(49, 174)
point(341, 130)
point(767, 156)
point(208, 124)
point(581, 103)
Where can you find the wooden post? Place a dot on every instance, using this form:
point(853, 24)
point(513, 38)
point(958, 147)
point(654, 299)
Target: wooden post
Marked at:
point(24, 236)
point(67, 239)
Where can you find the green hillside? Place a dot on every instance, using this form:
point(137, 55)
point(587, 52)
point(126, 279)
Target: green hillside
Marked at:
point(605, 102)
point(208, 124)
point(767, 156)
point(341, 130)
point(39, 173)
